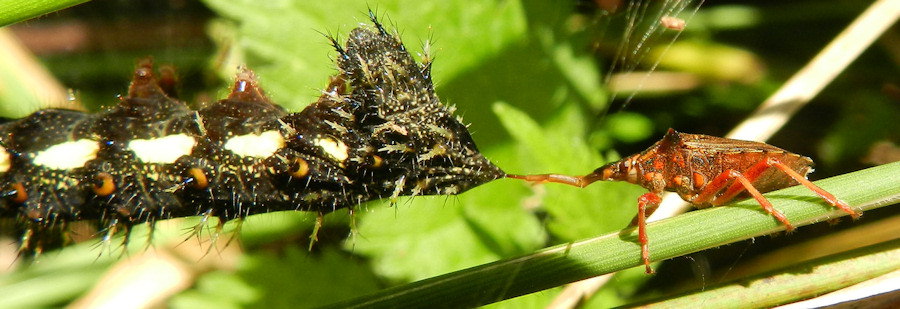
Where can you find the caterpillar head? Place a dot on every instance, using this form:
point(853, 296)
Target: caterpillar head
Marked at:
point(427, 148)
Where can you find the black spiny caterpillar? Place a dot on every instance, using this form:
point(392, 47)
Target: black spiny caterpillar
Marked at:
point(378, 131)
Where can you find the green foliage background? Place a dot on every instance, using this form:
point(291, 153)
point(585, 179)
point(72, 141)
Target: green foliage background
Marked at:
point(528, 77)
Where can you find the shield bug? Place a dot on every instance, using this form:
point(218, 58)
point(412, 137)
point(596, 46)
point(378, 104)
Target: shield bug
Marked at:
point(705, 171)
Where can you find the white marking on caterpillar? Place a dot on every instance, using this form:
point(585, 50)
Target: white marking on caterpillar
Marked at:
point(256, 145)
point(166, 149)
point(4, 160)
point(335, 149)
point(68, 155)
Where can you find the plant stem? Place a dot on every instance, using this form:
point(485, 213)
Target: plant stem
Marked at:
point(13, 11)
point(799, 282)
point(692, 232)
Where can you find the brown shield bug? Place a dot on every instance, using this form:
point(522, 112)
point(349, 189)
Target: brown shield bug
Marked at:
point(705, 171)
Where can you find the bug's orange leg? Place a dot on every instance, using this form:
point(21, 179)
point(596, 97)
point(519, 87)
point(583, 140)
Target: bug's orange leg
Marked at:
point(648, 201)
point(766, 205)
point(751, 174)
point(727, 180)
point(828, 197)
point(756, 170)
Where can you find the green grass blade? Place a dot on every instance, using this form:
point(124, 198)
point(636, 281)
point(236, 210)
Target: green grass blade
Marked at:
point(692, 232)
point(13, 11)
point(799, 282)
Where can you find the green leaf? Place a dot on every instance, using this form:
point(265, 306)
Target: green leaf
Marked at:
point(629, 127)
point(218, 289)
point(298, 279)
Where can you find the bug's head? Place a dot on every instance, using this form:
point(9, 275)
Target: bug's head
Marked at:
point(622, 170)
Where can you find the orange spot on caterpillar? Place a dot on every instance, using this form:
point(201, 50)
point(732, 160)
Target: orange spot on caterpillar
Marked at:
point(377, 161)
point(103, 185)
point(20, 195)
point(199, 180)
point(300, 168)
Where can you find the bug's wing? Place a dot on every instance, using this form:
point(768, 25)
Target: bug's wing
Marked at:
point(725, 145)
point(711, 156)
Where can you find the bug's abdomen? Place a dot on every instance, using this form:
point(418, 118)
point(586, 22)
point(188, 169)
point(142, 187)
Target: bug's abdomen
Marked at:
point(704, 167)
